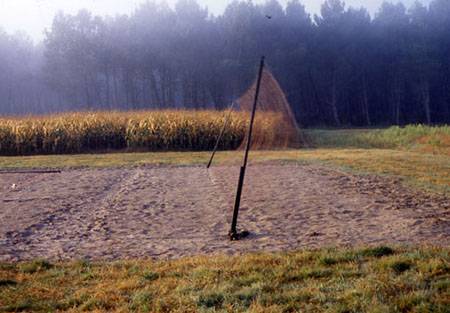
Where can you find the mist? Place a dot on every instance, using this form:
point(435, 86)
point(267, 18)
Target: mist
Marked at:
point(381, 64)
point(35, 16)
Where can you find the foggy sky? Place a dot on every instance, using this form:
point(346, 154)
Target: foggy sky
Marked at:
point(33, 16)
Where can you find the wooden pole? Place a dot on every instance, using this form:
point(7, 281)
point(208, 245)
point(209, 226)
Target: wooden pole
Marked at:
point(234, 234)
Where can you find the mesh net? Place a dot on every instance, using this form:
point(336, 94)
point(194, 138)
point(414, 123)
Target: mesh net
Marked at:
point(272, 102)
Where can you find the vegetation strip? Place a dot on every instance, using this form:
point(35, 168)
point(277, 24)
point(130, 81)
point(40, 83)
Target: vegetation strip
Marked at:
point(419, 138)
point(419, 169)
point(378, 279)
point(130, 131)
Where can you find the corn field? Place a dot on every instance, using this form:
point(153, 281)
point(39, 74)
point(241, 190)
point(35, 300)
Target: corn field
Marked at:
point(130, 131)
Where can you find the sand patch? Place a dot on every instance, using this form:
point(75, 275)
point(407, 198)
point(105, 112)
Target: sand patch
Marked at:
point(171, 212)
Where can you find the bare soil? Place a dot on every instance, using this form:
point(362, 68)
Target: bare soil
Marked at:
point(171, 212)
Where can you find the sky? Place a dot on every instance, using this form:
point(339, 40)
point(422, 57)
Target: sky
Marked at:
point(34, 16)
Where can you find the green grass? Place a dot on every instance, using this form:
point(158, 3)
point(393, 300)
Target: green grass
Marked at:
point(418, 169)
point(379, 279)
point(418, 138)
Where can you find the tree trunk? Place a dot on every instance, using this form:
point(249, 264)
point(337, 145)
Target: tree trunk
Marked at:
point(366, 103)
point(333, 102)
point(127, 89)
point(396, 101)
point(397, 111)
point(154, 87)
point(108, 90)
point(116, 90)
point(315, 94)
point(87, 93)
point(426, 101)
point(10, 100)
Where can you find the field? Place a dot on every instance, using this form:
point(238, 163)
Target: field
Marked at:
point(131, 131)
point(145, 232)
point(92, 132)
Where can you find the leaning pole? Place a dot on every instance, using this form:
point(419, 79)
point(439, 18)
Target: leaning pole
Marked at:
point(234, 234)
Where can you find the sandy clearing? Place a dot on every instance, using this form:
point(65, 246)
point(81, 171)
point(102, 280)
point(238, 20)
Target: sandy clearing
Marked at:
point(171, 212)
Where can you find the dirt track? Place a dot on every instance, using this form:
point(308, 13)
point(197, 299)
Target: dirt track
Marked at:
point(169, 212)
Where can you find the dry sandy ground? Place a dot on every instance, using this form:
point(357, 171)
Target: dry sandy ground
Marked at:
point(169, 212)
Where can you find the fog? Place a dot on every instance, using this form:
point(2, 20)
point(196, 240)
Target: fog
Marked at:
point(33, 16)
point(339, 66)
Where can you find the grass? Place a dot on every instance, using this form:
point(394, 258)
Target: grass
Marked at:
point(418, 169)
point(379, 279)
point(419, 138)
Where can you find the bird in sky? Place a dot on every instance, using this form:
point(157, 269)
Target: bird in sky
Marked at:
point(269, 17)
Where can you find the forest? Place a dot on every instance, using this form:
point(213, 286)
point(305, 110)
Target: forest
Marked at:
point(340, 68)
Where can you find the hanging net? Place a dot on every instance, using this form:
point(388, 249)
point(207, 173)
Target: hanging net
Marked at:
point(273, 113)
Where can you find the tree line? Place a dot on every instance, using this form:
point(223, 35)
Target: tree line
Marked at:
point(341, 67)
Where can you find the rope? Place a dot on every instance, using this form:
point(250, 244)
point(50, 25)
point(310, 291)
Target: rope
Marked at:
point(222, 132)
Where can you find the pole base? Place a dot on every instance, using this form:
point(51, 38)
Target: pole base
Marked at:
point(236, 236)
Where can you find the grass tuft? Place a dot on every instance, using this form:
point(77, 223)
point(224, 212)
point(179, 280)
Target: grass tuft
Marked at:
point(401, 266)
point(377, 252)
point(141, 301)
point(328, 261)
point(7, 282)
point(150, 276)
point(35, 266)
point(22, 306)
point(211, 300)
point(442, 285)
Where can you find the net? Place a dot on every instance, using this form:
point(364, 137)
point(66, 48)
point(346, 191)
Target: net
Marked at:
point(276, 116)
